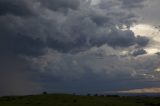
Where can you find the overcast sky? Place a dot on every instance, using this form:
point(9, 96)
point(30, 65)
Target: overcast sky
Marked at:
point(81, 46)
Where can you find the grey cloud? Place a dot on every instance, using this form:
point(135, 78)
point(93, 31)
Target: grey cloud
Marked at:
point(150, 13)
point(78, 29)
point(132, 4)
point(121, 38)
point(61, 5)
point(142, 41)
point(30, 47)
point(137, 52)
point(99, 63)
point(48, 39)
point(21, 45)
point(16, 7)
point(158, 53)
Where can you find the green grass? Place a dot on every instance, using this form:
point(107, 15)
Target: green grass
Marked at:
point(73, 100)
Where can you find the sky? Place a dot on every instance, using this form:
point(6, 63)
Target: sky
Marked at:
point(79, 46)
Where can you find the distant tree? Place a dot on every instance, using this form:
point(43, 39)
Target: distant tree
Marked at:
point(112, 95)
point(88, 94)
point(44, 93)
point(95, 94)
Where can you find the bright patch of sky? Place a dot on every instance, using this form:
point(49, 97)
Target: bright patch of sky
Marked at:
point(94, 2)
point(152, 32)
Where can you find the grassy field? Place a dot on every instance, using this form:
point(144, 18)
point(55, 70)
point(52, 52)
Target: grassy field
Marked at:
point(73, 100)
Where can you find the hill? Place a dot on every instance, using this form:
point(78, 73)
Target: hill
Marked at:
point(77, 100)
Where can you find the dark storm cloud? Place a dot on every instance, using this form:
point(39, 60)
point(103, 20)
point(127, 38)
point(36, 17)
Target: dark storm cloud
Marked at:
point(16, 7)
point(132, 3)
point(59, 5)
point(158, 53)
point(142, 41)
point(21, 45)
point(28, 46)
point(88, 69)
point(138, 51)
point(121, 38)
point(79, 28)
point(48, 39)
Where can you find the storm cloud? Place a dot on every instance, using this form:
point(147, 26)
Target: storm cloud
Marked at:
point(59, 5)
point(138, 51)
point(74, 40)
point(132, 4)
point(17, 7)
point(77, 28)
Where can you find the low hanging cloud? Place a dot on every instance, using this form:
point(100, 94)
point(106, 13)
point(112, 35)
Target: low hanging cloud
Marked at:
point(103, 61)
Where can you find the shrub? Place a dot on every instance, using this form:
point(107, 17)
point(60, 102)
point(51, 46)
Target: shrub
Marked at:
point(44, 93)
